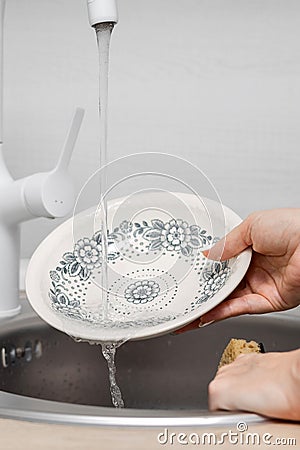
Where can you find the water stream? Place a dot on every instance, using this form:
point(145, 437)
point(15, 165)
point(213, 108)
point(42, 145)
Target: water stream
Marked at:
point(103, 32)
point(101, 315)
point(109, 351)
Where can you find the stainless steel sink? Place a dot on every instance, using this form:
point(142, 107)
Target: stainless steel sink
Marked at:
point(46, 376)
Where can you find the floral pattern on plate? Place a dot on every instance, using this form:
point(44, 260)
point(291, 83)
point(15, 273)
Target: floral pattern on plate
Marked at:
point(213, 279)
point(174, 237)
point(142, 291)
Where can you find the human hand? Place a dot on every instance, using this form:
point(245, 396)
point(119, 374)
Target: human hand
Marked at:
point(267, 384)
point(272, 282)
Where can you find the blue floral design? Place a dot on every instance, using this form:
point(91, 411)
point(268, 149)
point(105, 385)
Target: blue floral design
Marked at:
point(86, 256)
point(60, 299)
point(88, 253)
point(214, 279)
point(141, 292)
point(126, 227)
point(175, 235)
point(54, 275)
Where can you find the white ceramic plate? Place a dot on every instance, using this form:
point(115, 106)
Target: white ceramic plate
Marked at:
point(158, 279)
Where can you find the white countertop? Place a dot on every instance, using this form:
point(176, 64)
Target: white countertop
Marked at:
point(17, 435)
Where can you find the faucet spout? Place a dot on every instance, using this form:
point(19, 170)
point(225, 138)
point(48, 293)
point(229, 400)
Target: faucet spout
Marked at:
point(100, 11)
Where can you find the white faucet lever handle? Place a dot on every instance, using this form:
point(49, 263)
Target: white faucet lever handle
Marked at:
point(69, 144)
point(51, 194)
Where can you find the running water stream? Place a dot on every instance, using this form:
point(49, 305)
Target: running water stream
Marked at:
point(109, 351)
point(128, 326)
point(103, 31)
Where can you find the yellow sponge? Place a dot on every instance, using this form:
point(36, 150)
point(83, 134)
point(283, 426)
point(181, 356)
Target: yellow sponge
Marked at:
point(235, 348)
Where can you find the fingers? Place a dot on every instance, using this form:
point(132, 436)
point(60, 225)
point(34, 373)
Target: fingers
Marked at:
point(203, 321)
point(226, 391)
point(236, 306)
point(234, 243)
point(217, 396)
point(191, 326)
point(262, 384)
point(246, 304)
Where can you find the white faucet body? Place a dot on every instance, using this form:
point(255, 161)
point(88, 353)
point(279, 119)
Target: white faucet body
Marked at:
point(46, 194)
point(100, 11)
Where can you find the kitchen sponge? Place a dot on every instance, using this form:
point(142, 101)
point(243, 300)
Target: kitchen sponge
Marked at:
point(237, 347)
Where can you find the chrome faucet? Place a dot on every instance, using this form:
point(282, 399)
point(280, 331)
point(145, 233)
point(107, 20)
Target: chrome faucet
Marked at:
point(45, 194)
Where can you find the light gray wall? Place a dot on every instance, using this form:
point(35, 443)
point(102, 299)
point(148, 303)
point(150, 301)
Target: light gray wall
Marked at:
point(217, 82)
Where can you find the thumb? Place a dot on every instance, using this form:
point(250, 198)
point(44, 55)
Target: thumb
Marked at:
point(231, 245)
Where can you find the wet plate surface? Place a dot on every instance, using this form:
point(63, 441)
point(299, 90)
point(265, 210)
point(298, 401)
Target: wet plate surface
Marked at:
point(158, 278)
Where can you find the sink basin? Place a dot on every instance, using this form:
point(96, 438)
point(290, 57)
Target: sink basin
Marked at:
point(46, 376)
